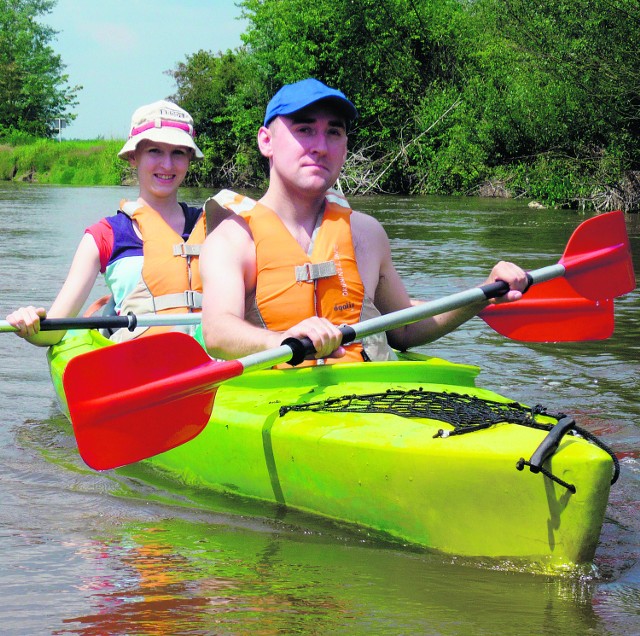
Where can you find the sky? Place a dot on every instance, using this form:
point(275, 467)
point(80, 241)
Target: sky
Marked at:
point(119, 50)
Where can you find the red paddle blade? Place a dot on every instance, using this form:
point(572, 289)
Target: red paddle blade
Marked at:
point(598, 267)
point(144, 397)
point(597, 258)
point(552, 312)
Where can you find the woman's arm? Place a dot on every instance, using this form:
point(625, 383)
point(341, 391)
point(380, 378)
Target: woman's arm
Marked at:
point(72, 296)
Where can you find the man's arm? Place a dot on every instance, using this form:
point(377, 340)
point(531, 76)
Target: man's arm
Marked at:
point(390, 293)
point(227, 269)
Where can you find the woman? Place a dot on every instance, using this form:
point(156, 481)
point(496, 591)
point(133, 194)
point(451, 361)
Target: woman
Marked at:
point(148, 251)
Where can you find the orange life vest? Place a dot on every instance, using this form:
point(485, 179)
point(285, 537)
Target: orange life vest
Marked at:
point(313, 290)
point(170, 281)
point(292, 285)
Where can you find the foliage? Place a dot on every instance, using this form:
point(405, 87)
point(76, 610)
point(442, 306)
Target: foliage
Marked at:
point(543, 98)
point(225, 102)
point(381, 54)
point(33, 88)
point(571, 96)
point(590, 47)
point(14, 137)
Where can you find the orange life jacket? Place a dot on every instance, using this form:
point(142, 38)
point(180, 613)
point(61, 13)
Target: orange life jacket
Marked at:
point(292, 285)
point(170, 281)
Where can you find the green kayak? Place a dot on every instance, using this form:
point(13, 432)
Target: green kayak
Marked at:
point(410, 450)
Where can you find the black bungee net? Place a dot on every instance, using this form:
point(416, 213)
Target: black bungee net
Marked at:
point(466, 414)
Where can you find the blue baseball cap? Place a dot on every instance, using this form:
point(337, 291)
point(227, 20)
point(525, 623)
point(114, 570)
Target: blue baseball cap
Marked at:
point(294, 97)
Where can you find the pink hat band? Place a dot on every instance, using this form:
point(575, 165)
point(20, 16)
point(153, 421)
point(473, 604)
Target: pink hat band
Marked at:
point(162, 123)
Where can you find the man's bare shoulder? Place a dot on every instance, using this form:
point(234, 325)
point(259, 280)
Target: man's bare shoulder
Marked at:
point(366, 220)
point(367, 231)
point(230, 227)
point(230, 243)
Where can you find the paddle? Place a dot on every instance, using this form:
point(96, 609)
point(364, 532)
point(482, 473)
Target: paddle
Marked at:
point(596, 266)
point(135, 400)
point(129, 321)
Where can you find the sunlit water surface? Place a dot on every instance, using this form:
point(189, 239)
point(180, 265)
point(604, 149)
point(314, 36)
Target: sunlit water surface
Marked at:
point(124, 553)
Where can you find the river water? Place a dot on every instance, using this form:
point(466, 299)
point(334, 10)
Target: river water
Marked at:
point(122, 553)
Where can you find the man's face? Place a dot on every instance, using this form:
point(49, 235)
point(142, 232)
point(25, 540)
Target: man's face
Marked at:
point(306, 150)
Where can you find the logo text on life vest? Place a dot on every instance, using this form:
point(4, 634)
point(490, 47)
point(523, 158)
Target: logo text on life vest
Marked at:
point(336, 260)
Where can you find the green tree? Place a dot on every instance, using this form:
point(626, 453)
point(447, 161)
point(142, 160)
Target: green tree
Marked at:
point(384, 54)
point(542, 96)
point(33, 88)
point(591, 45)
point(221, 93)
point(568, 118)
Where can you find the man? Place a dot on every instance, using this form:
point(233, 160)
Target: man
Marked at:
point(299, 262)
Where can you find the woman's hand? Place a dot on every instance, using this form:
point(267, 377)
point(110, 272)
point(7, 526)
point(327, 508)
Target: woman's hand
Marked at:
point(27, 320)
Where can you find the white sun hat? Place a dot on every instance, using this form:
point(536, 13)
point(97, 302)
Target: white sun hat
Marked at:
point(162, 122)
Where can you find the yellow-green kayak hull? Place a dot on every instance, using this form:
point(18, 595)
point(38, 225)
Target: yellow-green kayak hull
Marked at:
point(389, 474)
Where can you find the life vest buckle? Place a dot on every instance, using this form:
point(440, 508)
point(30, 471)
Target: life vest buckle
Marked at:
point(311, 272)
point(189, 299)
point(185, 249)
point(193, 299)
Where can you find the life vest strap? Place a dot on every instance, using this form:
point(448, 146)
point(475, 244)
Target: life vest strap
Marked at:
point(185, 249)
point(310, 272)
point(189, 299)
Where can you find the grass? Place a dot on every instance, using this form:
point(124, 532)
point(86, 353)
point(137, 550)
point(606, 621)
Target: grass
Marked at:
point(85, 163)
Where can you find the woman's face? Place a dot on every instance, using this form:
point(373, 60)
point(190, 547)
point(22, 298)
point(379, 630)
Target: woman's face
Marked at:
point(161, 167)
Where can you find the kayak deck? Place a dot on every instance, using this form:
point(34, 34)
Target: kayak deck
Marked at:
point(392, 475)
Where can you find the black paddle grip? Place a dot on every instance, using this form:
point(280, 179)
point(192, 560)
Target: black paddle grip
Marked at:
point(303, 347)
point(300, 349)
point(500, 288)
point(90, 322)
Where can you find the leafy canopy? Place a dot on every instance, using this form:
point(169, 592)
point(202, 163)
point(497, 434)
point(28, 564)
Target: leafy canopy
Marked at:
point(33, 87)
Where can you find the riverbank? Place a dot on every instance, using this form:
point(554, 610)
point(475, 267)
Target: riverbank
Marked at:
point(95, 162)
point(82, 163)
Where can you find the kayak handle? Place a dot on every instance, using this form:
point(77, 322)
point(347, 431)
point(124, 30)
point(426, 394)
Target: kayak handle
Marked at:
point(550, 443)
point(547, 448)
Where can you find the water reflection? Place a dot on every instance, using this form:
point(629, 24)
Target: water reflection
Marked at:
point(181, 577)
point(120, 553)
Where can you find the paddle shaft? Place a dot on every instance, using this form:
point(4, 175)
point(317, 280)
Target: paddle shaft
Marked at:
point(207, 376)
point(303, 347)
point(368, 327)
point(129, 321)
